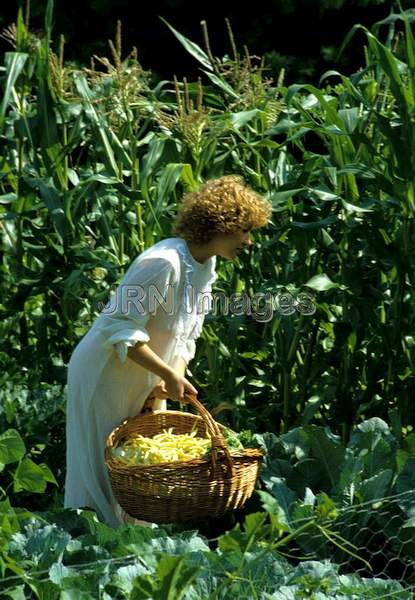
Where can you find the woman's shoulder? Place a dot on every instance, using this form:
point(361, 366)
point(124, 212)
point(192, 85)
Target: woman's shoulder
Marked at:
point(174, 252)
point(165, 251)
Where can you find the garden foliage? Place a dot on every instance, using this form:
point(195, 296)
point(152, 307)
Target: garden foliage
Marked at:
point(92, 165)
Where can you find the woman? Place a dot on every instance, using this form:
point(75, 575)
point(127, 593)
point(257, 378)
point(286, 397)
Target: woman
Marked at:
point(136, 353)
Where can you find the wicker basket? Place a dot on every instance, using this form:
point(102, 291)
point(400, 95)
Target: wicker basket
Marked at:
point(180, 491)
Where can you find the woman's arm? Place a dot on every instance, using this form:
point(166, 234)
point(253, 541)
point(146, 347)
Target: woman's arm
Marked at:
point(181, 367)
point(157, 397)
point(176, 383)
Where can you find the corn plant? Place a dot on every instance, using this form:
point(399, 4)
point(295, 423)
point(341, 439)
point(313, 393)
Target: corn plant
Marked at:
point(94, 160)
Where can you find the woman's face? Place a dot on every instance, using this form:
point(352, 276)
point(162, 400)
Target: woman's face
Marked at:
point(229, 245)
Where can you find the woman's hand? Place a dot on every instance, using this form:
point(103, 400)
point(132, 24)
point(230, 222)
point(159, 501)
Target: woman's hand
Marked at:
point(177, 386)
point(157, 393)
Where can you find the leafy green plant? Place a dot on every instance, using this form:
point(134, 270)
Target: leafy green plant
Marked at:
point(103, 159)
point(92, 164)
point(26, 404)
point(71, 553)
point(19, 474)
point(369, 484)
point(27, 475)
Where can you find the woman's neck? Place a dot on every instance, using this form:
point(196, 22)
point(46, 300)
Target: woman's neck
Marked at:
point(200, 252)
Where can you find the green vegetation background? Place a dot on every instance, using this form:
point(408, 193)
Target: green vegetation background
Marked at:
point(93, 161)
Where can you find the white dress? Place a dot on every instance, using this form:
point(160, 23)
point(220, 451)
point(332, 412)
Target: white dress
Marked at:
point(104, 385)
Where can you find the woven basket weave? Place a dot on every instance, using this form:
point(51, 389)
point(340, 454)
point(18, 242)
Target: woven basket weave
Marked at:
point(181, 491)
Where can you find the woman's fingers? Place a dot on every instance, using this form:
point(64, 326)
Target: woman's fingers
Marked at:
point(178, 386)
point(190, 388)
point(148, 405)
point(173, 392)
point(159, 391)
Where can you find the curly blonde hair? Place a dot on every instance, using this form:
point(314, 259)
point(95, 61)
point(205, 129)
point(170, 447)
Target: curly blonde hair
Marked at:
point(221, 205)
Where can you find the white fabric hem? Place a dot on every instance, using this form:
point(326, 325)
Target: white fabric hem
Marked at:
point(126, 519)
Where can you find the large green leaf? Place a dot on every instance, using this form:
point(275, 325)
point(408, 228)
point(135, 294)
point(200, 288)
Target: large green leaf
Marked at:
point(31, 477)
point(220, 83)
point(390, 65)
point(110, 141)
point(284, 497)
point(173, 578)
point(14, 63)
point(239, 119)
point(375, 487)
point(328, 451)
point(191, 47)
point(405, 486)
point(321, 283)
point(12, 447)
point(314, 225)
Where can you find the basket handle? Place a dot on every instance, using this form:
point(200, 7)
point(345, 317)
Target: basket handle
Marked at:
point(218, 441)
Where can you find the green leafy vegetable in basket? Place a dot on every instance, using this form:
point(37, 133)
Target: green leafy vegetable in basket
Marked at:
point(239, 440)
point(232, 439)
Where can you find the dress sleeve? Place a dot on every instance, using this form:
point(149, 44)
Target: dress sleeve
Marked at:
point(188, 351)
point(140, 294)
